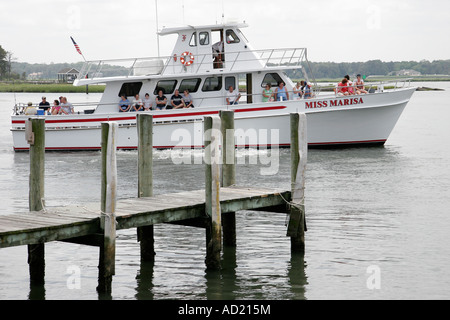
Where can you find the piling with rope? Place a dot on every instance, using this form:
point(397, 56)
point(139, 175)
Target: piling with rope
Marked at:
point(108, 207)
point(299, 149)
point(35, 129)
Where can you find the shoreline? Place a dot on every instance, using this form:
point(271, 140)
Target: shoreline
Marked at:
point(48, 88)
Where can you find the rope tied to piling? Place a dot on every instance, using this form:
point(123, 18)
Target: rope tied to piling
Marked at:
point(110, 215)
point(44, 208)
point(299, 206)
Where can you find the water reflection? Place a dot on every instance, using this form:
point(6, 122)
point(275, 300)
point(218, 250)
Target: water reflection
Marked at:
point(261, 267)
point(144, 280)
point(37, 291)
point(225, 284)
point(297, 275)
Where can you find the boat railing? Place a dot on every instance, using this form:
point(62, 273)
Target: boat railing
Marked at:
point(79, 108)
point(369, 87)
point(90, 107)
point(234, 61)
point(204, 102)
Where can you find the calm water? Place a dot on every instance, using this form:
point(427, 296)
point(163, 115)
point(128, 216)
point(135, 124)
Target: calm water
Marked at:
point(382, 209)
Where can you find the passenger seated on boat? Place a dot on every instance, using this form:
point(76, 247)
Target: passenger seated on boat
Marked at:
point(161, 100)
point(267, 93)
point(232, 96)
point(349, 85)
point(124, 104)
point(298, 89)
point(342, 89)
point(176, 101)
point(148, 104)
point(44, 105)
point(137, 104)
point(307, 92)
point(66, 107)
point(187, 98)
point(359, 83)
point(281, 92)
point(30, 110)
point(56, 109)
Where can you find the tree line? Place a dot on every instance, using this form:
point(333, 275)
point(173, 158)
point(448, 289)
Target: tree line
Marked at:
point(333, 70)
point(11, 69)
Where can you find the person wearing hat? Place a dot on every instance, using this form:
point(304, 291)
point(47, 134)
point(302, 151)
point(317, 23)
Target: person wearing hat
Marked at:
point(44, 104)
point(30, 110)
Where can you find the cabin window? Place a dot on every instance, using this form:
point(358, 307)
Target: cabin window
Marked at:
point(203, 38)
point(232, 37)
point(271, 78)
point(230, 81)
point(212, 84)
point(190, 84)
point(193, 41)
point(167, 86)
point(130, 89)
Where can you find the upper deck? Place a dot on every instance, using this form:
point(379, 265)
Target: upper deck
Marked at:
point(199, 50)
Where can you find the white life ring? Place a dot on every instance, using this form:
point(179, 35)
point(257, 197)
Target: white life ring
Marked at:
point(184, 60)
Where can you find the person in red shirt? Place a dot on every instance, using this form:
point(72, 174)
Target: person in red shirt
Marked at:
point(342, 88)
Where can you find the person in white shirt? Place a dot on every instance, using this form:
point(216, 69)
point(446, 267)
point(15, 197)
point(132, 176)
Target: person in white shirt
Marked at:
point(148, 103)
point(137, 104)
point(232, 96)
point(66, 107)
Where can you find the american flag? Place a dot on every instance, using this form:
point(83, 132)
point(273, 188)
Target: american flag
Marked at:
point(76, 46)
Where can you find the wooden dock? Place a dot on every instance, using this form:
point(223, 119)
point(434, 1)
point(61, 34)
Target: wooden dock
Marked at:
point(212, 208)
point(72, 222)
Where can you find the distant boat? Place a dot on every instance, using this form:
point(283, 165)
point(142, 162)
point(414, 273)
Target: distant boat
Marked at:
point(207, 60)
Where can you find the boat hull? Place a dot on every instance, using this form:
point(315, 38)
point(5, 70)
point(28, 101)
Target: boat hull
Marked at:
point(332, 122)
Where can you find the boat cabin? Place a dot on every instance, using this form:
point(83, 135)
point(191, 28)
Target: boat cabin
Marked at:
point(207, 48)
point(205, 60)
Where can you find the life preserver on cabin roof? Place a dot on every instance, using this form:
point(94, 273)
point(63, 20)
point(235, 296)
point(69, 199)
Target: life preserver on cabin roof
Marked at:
point(184, 60)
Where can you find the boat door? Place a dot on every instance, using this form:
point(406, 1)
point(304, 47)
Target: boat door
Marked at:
point(218, 48)
point(226, 46)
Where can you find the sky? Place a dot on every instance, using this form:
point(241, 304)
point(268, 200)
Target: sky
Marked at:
point(336, 31)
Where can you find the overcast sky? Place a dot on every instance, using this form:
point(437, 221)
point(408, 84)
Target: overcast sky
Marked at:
point(338, 31)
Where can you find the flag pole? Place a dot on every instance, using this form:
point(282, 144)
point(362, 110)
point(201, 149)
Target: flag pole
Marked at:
point(157, 27)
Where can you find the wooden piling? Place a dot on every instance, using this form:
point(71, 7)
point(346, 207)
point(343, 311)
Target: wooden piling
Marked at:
point(36, 252)
point(108, 206)
point(145, 234)
point(297, 225)
point(212, 192)
point(228, 173)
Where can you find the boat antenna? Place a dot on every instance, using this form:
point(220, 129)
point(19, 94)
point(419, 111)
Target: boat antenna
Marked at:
point(223, 13)
point(157, 26)
point(182, 6)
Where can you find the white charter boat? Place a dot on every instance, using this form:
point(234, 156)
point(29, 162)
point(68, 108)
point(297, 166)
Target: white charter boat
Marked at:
point(196, 65)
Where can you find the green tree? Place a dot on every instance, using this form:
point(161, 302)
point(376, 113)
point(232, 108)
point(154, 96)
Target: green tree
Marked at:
point(3, 63)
